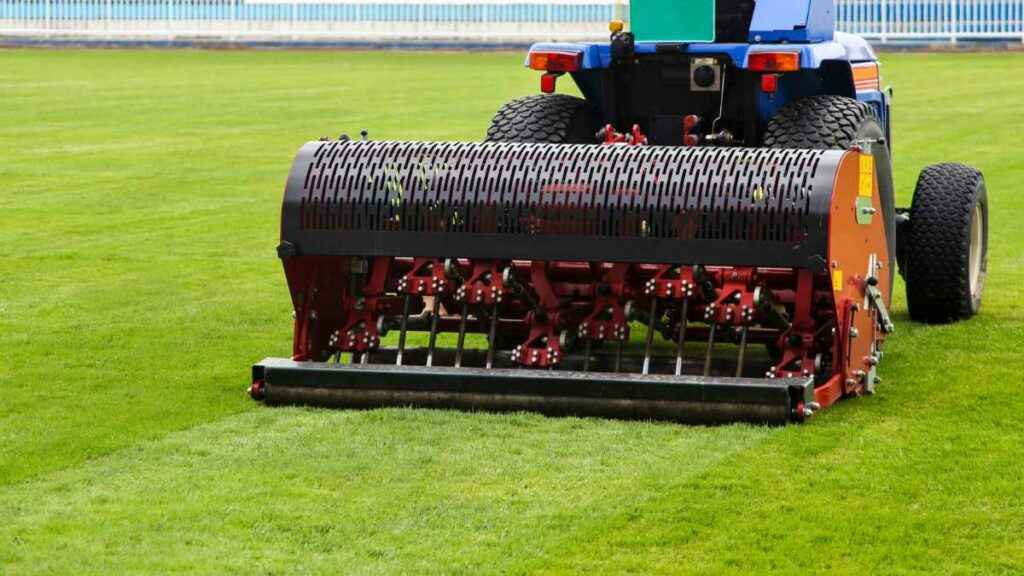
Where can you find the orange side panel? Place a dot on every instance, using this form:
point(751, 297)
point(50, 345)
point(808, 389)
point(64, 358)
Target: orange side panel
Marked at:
point(854, 247)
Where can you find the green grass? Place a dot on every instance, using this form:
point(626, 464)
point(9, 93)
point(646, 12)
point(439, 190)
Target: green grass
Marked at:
point(139, 198)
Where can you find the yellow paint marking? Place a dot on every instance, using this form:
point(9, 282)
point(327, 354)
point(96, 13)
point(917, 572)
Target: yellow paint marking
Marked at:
point(867, 175)
point(837, 280)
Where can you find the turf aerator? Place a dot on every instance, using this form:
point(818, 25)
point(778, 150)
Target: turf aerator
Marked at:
point(709, 235)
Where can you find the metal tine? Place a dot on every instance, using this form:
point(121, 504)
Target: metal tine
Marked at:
point(586, 354)
point(491, 335)
point(364, 357)
point(743, 351)
point(683, 310)
point(711, 345)
point(402, 330)
point(618, 355)
point(434, 312)
point(650, 336)
point(462, 335)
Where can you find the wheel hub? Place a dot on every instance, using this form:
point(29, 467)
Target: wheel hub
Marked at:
point(977, 245)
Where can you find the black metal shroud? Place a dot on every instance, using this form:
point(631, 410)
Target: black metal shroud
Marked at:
point(715, 206)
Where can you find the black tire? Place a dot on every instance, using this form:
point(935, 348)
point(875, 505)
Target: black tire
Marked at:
point(837, 123)
point(551, 118)
point(944, 282)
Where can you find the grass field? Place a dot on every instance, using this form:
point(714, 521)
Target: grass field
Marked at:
point(139, 205)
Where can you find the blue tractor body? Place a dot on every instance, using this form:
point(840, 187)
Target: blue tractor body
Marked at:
point(629, 80)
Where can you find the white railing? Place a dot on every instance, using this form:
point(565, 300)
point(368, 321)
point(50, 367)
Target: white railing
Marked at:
point(949, 20)
point(486, 21)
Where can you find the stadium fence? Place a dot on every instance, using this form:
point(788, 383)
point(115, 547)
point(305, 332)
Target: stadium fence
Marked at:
point(455, 21)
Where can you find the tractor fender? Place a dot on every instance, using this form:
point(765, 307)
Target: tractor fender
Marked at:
point(837, 78)
point(833, 77)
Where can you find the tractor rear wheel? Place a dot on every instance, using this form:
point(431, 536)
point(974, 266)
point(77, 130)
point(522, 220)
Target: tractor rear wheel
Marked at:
point(947, 244)
point(836, 123)
point(551, 118)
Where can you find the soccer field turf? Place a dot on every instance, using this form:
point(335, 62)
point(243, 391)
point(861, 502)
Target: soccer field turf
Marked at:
point(139, 203)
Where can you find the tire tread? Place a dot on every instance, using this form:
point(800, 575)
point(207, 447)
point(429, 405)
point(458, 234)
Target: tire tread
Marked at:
point(939, 243)
point(544, 118)
point(824, 122)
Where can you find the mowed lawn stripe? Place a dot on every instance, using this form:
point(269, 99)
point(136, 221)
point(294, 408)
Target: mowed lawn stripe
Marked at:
point(373, 492)
point(883, 485)
point(117, 369)
point(139, 283)
point(140, 203)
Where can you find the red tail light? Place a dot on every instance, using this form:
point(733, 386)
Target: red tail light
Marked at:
point(773, 61)
point(547, 83)
point(556, 61)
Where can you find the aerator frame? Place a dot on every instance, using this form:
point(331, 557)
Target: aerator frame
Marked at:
point(374, 243)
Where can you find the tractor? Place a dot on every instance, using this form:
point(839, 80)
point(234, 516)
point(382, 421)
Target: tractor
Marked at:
point(709, 234)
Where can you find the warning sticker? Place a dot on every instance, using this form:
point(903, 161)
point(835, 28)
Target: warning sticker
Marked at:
point(837, 280)
point(867, 175)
